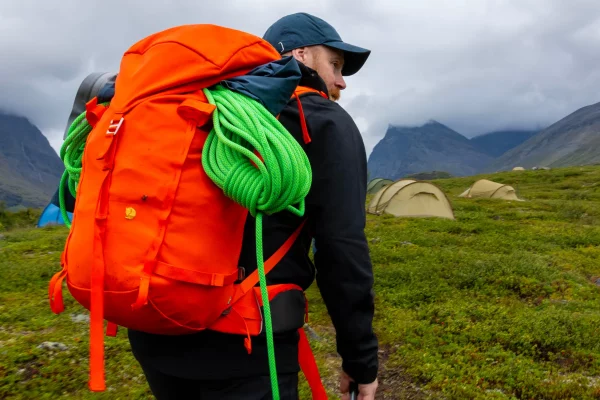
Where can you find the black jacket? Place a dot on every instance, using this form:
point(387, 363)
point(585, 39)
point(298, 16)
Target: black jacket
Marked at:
point(335, 208)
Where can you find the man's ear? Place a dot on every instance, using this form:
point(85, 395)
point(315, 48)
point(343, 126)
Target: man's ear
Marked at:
point(299, 54)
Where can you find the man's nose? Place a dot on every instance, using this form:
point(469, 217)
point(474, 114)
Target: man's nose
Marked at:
point(340, 82)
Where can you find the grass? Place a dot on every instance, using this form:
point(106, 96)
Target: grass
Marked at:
point(503, 303)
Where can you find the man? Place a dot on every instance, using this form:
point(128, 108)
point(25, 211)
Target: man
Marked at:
point(214, 365)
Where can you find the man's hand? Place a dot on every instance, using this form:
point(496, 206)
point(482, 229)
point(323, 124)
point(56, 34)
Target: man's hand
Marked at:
point(365, 391)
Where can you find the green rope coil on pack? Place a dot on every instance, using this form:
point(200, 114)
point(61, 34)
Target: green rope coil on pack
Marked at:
point(276, 181)
point(71, 153)
point(275, 184)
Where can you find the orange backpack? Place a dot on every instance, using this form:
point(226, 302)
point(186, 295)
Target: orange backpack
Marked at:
point(154, 243)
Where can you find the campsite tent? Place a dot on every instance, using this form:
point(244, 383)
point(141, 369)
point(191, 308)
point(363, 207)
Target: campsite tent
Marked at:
point(410, 198)
point(518, 169)
point(52, 215)
point(490, 190)
point(376, 184)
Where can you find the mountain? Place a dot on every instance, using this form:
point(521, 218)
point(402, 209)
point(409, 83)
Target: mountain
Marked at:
point(431, 147)
point(497, 143)
point(30, 169)
point(574, 140)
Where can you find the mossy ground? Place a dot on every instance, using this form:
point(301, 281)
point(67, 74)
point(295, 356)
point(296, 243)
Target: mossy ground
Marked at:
point(502, 303)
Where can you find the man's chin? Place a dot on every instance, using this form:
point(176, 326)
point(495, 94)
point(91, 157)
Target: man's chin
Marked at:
point(334, 95)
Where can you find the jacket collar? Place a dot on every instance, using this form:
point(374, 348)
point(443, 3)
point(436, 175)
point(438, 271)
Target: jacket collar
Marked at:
point(311, 79)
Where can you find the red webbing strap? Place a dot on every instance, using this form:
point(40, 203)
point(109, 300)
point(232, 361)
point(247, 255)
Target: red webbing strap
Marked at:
point(305, 134)
point(300, 90)
point(111, 329)
point(55, 291)
point(142, 298)
point(97, 382)
point(252, 279)
point(309, 367)
point(197, 277)
point(94, 111)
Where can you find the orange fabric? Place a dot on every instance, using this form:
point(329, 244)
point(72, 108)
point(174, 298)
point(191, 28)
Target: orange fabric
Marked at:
point(301, 90)
point(149, 225)
point(309, 367)
point(94, 111)
point(144, 288)
point(111, 329)
point(195, 276)
point(55, 292)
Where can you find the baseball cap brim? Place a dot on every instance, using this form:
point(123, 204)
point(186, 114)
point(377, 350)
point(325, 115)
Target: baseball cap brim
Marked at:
point(354, 56)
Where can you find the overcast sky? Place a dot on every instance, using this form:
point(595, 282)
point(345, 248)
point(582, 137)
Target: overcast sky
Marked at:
point(474, 65)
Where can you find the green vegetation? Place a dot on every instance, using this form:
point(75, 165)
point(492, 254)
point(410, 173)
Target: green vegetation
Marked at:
point(503, 303)
point(21, 218)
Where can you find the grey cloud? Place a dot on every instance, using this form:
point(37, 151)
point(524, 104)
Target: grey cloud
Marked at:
point(475, 65)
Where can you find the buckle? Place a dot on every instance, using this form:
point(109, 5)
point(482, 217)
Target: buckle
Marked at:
point(241, 273)
point(114, 127)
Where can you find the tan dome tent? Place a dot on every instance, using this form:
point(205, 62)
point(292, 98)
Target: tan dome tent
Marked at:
point(409, 198)
point(518, 169)
point(376, 184)
point(490, 190)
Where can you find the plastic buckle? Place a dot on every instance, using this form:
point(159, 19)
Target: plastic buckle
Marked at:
point(114, 127)
point(241, 273)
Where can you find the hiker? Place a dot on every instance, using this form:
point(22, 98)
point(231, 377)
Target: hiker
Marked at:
point(214, 365)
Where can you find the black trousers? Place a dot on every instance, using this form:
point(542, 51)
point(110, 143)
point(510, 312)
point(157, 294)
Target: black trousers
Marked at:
point(166, 387)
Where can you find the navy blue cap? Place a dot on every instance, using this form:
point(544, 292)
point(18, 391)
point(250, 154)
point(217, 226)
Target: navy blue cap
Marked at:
point(302, 29)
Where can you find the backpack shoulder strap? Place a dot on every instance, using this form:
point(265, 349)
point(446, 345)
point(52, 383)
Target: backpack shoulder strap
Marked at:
point(300, 91)
point(252, 279)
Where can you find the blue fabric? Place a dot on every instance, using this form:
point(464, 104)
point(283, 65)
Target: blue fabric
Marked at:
point(106, 93)
point(52, 215)
point(271, 84)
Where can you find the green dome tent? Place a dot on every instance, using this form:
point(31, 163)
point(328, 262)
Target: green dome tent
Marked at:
point(376, 184)
point(410, 198)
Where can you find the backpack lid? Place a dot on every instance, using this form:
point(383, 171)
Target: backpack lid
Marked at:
point(187, 58)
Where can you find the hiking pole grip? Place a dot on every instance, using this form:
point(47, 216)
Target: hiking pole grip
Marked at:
point(353, 390)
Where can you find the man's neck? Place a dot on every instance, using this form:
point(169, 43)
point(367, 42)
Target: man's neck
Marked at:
point(310, 78)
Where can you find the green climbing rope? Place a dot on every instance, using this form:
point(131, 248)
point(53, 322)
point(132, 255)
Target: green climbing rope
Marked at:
point(71, 153)
point(283, 179)
point(243, 129)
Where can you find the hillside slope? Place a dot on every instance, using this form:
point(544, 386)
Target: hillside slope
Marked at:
point(30, 169)
point(574, 140)
point(431, 147)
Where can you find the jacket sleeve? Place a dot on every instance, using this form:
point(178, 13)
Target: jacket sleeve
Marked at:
point(336, 203)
